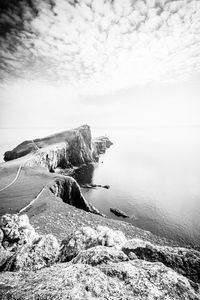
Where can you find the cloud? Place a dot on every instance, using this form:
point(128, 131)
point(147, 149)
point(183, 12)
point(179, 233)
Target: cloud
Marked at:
point(98, 43)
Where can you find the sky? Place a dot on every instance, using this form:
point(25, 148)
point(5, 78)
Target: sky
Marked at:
point(122, 63)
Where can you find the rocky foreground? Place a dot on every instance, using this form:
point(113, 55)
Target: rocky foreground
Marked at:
point(91, 263)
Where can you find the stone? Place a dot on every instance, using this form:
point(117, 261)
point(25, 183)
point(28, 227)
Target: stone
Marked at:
point(16, 231)
point(5, 255)
point(139, 280)
point(119, 213)
point(184, 261)
point(88, 237)
point(98, 255)
point(41, 253)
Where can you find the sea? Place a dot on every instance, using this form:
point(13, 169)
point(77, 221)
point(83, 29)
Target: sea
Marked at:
point(153, 174)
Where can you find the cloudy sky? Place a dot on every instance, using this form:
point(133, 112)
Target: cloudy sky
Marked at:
point(135, 62)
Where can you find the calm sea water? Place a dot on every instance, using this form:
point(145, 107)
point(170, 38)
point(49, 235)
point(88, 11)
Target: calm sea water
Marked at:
point(153, 173)
point(154, 176)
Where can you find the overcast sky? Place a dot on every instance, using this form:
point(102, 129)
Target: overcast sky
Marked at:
point(120, 62)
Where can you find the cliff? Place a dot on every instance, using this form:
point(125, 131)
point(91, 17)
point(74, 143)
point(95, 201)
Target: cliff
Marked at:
point(63, 150)
point(92, 263)
point(35, 165)
point(59, 250)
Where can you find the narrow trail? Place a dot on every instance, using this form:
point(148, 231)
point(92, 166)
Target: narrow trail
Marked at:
point(12, 182)
point(28, 205)
point(19, 170)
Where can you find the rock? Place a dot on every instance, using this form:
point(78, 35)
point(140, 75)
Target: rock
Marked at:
point(5, 255)
point(119, 213)
point(88, 237)
point(41, 253)
point(104, 265)
point(62, 150)
point(92, 186)
point(184, 261)
point(16, 231)
point(139, 280)
point(98, 255)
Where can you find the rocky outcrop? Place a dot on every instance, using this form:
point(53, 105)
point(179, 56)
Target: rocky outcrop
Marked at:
point(22, 248)
point(68, 190)
point(92, 186)
point(88, 237)
point(182, 260)
point(100, 145)
point(15, 231)
point(43, 252)
point(119, 213)
point(63, 150)
point(100, 267)
point(116, 281)
point(100, 255)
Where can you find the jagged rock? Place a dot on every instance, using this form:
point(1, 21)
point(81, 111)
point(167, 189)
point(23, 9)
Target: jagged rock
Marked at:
point(5, 255)
point(100, 145)
point(119, 213)
point(41, 253)
point(16, 231)
point(114, 281)
point(98, 255)
point(87, 237)
point(184, 261)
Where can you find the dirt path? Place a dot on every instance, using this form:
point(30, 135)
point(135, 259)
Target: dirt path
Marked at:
point(18, 171)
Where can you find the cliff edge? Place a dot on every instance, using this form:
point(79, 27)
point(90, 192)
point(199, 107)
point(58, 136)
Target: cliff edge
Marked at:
point(71, 148)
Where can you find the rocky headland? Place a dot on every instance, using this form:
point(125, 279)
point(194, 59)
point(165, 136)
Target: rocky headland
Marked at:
point(48, 161)
point(56, 245)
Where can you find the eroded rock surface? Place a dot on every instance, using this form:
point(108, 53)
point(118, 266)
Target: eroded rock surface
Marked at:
point(88, 237)
point(100, 255)
point(184, 261)
point(62, 150)
point(121, 280)
point(16, 230)
point(94, 263)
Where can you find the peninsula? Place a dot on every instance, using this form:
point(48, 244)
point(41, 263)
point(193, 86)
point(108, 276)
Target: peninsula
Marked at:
point(56, 245)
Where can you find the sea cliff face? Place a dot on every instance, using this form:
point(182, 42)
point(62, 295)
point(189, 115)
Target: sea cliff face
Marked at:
point(64, 150)
point(59, 154)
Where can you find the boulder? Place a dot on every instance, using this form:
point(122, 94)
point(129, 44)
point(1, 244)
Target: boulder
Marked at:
point(41, 253)
point(184, 261)
point(98, 255)
point(16, 231)
point(88, 237)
